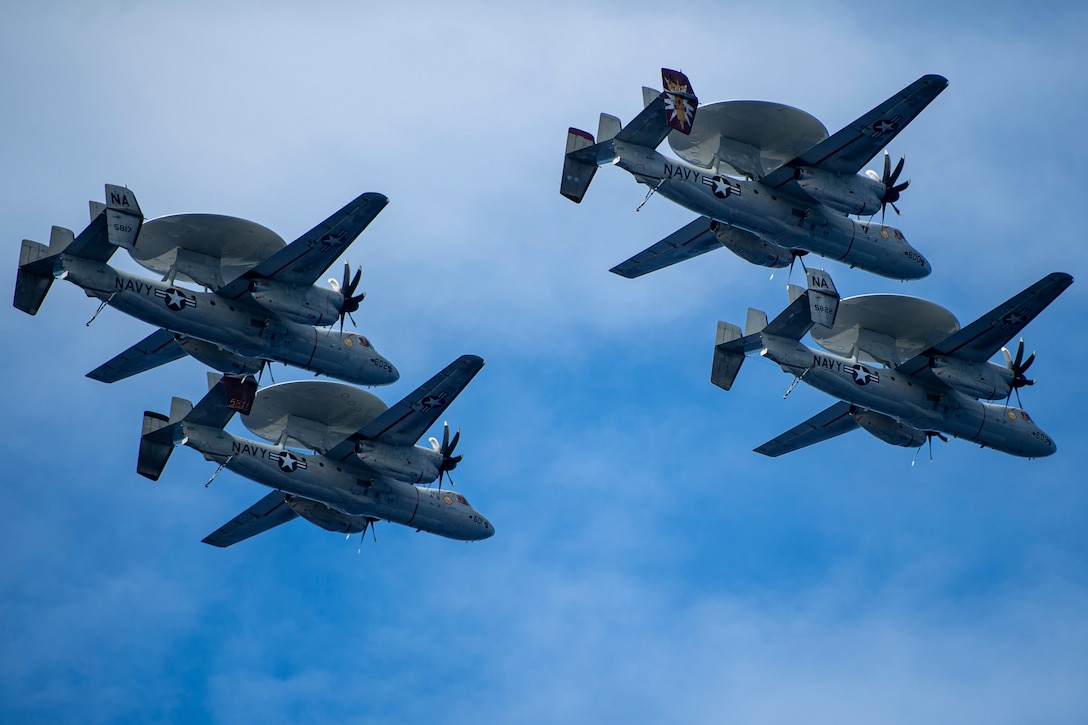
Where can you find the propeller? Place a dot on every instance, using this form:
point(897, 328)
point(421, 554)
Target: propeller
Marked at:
point(930, 435)
point(891, 189)
point(449, 461)
point(1018, 366)
point(347, 289)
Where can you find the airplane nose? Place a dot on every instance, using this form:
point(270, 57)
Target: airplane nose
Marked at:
point(488, 531)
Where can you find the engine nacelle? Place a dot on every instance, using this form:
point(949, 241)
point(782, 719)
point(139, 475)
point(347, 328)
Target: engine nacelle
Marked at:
point(982, 380)
point(306, 305)
point(327, 518)
point(848, 193)
point(750, 247)
point(408, 464)
point(889, 430)
point(219, 359)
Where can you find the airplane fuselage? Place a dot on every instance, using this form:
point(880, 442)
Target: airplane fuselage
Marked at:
point(911, 401)
point(789, 221)
point(342, 485)
point(243, 330)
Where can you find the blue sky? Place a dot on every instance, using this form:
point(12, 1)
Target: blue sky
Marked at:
point(647, 565)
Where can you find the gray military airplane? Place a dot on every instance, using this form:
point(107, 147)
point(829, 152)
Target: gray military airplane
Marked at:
point(365, 465)
point(901, 367)
point(263, 305)
point(767, 179)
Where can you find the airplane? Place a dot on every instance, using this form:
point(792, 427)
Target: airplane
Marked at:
point(901, 367)
point(364, 466)
point(768, 182)
point(262, 305)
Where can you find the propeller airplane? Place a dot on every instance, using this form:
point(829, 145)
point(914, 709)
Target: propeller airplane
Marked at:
point(901, 367)
point(262, 305)
point(767, 180)
point(362, 463)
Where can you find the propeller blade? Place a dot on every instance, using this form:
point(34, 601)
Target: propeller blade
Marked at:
point(1019, 355)
point(898, 170)
point(355, 281)
point(1027, 363)
point(453, 443)
point(887, 166)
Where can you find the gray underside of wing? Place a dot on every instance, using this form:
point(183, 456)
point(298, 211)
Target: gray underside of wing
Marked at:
point(689, 241)
point(304, 260)
point(156, 349)
point(978, 341)
point(268, 513)
point(833, 421)
point(848, 150)
point(407, 421)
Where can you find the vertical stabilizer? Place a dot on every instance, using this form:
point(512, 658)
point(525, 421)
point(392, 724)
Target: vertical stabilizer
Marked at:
point(156, 445)
point(823, 298)
point(727, 361)
point(578, 168)
point(123, 216)
point(34, 277)
point(608, 127)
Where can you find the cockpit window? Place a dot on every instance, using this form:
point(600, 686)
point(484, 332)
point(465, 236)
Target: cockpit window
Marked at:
point(1025, 416)
point(461, 499)
point(365, 342)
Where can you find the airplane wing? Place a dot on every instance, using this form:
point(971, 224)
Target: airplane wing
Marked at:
point(847, 151)
point(156, 349)
point(978, 341)
point(687, 242)
point(827, 424)
point(269, 512)
point(304, 260)
point(407, 421)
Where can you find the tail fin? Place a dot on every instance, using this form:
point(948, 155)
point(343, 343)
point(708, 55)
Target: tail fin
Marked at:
point(156, 445)
point(727, 358)
point(123, 216)
point(113, 224)
point(823, 298)
point(578, 168)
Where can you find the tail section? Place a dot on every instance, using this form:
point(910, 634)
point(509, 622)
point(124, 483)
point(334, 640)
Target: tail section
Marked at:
point(819, 304)
point(113, 224)
point(227, 395)
point(157, 438)
point(673, 108)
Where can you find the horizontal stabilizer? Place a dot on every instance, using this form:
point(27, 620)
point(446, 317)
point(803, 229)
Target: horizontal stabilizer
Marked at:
point(794, 322)
point(578, 168)
point(269, 512)
point(156, 445)
point(156, 349)
point(727, 361)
